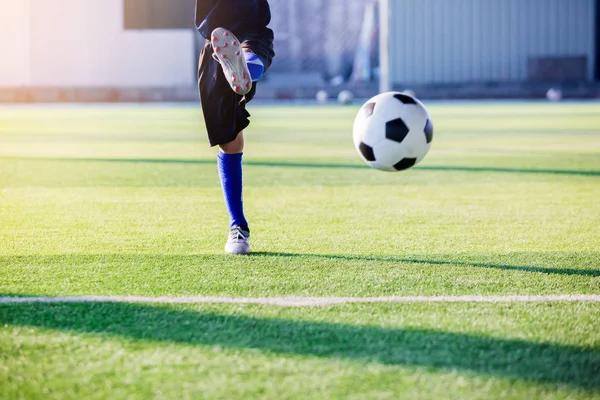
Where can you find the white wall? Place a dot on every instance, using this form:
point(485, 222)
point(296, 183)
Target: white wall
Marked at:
point(82, 43)
point(15, 43)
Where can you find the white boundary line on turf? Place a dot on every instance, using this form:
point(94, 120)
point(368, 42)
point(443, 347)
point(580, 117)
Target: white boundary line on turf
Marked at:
point(302, 301)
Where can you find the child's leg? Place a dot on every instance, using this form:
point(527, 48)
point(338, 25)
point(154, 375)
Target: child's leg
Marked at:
point(229, 162)
point(256, 66)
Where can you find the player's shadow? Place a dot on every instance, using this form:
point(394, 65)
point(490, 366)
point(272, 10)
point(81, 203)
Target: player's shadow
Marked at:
point(413, 260)
point(430, 349)
point(582, 265)
point(317, 165)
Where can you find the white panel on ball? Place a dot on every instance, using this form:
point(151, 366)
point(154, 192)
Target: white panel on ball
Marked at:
point(374, 126)
point(388, 153)
point(415, 116)
point(386, 109)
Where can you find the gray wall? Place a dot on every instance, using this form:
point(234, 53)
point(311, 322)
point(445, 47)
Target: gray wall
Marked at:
point(457, 41)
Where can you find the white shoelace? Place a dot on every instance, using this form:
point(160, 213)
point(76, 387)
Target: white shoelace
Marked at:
point(237, 235)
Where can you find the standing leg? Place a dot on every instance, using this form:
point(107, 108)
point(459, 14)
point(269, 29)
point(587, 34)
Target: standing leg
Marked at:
point(229, 162)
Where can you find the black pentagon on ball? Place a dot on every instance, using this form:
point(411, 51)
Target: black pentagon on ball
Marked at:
point(429, 131)
point(366, 151)
point(405, 99)
point(368, 109)
point(396, 130)
point(405, 163)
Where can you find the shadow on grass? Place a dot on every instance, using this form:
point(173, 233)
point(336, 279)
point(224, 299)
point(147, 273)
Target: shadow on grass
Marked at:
point(282, 164)
point(437, 350)
point(581, 263)
point(411, 260)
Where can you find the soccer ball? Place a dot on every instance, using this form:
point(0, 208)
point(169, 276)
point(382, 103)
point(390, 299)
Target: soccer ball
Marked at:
point(345, 97)
point(322, 97)
point(392, 131)
point(554, 94)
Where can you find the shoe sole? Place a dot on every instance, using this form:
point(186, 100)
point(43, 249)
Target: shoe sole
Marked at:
point(227, 50)
point(237, 250)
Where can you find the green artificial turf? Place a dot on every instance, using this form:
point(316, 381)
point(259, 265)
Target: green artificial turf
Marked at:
point(100, 351)
point(125, 200)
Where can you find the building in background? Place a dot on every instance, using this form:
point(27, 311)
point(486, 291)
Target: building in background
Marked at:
point(144, 50)
point(84, 44)
point(470, 43)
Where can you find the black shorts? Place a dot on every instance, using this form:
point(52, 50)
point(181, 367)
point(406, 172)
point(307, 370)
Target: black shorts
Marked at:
point(225, 113)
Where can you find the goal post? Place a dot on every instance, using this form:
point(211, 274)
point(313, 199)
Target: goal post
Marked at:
point(384, 45)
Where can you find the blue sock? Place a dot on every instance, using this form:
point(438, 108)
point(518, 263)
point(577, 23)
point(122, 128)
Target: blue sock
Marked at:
point(255, 65)
point(230, 173)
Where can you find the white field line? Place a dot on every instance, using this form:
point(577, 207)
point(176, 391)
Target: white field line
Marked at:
point(302, 301)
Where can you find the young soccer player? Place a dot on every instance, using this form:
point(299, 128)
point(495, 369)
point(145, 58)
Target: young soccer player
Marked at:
point(238, 50)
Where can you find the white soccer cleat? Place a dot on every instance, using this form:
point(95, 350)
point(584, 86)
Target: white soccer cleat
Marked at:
point(238, 241)
point(227, 50)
